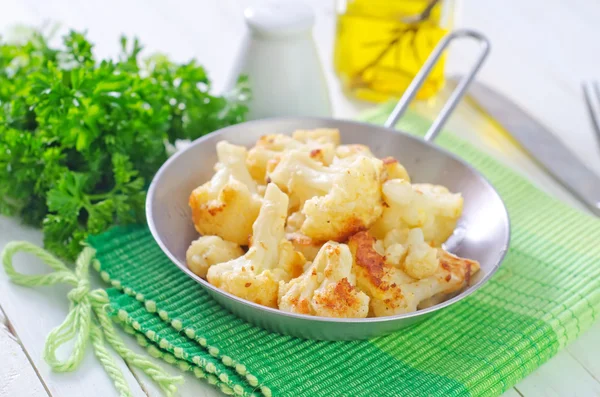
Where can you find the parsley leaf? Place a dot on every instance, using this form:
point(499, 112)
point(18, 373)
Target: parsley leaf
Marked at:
point(80, 138)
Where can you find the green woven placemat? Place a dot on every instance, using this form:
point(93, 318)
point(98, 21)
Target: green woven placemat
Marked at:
point(545, 294)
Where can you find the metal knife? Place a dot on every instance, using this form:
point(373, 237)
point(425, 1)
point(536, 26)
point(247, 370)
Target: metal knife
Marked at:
point(541, 144)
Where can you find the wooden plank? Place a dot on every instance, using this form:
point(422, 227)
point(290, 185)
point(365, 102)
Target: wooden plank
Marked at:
point(17, 376)
point(33, 312)
point(512, 393)
point(586, 350)
point(563, 375)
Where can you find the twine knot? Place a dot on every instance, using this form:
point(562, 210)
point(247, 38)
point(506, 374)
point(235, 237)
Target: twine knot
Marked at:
point(87, 319)
point(80, 292)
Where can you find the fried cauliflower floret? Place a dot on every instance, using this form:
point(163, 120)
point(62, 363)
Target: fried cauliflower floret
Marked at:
point(429, 207)
point(303, 244)
point(407, 250)
point(345, 152)
point(448, 209)
point(233, 158)
point(421, 260)
point(391, 290)
point(270, 147)
point(228, 204)
point(210, 250)
point(326, 288)
point(301, 177)
point(294, 222)
point(395, 248)
point(270, 259)
point(353, 203)
point(321, 135)
point(392, 169)
point(457, 273)
point(374, 276)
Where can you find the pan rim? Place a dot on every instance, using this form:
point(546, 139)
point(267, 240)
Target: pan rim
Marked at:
point(302, 317)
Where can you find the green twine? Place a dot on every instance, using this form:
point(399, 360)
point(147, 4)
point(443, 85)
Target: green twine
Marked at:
point(81, 325)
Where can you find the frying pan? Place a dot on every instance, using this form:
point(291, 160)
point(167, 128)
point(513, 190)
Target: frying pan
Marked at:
point(482, 234)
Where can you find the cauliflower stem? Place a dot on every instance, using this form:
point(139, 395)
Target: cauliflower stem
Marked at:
point(255, 276)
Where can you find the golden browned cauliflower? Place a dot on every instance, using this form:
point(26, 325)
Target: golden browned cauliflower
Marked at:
point(228, 204)
point(294, 222)
point(394, 246)
point(270, 259)
point(299, 197)
point(301, 177)
point(407, 250)
point(352, 151)
point(303, 244)
point(326, 288)
point(320, 135)
point(353, 203)
point(455, 274)
point(431, 208)
point(270, 147)
point(391, 290)
point(392, 169)
point(209, 250)
point(448, 209)
point(378, 279)
point(421, 259)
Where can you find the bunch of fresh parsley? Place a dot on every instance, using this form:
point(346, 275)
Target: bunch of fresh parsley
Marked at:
point(80, 138)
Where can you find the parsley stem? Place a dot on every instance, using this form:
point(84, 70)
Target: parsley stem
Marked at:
point(102, 196)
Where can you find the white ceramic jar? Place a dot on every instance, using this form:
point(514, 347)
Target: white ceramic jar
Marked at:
point(280, 58)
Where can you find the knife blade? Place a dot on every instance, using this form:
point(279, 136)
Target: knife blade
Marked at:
point(541, 144)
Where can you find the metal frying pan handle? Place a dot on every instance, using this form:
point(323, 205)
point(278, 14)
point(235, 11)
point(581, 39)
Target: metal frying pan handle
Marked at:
point(458, 92)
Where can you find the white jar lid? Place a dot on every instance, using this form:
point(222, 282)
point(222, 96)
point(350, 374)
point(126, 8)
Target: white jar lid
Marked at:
point(280, 18)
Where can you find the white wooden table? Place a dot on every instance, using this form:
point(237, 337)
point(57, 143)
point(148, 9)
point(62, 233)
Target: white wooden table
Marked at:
point(542, 49)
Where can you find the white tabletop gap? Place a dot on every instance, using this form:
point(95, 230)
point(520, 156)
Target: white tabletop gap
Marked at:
point(512, 393)
point(17, 375)
point(574, 379)
point(586, 350)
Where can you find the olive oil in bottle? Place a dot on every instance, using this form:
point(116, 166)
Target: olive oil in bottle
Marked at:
point(381, 44)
